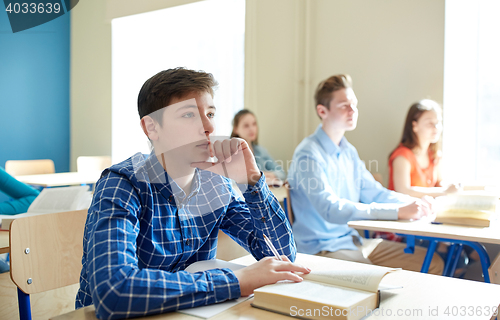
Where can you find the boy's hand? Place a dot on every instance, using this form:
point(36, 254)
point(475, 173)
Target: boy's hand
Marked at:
point(453, 188)
point(268, 270)
point(414, 210)
point(235, 160)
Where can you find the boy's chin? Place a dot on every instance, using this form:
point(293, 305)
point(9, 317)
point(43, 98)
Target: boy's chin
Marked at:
point(351, 127)
point(200, 157)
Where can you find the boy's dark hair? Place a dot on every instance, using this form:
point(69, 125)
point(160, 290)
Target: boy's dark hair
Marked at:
point(157, 92)
point(325, 89)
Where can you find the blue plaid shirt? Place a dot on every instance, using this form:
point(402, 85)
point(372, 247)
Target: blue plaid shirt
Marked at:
point(142, 231)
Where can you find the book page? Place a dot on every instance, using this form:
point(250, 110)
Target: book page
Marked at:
point(366, 279)
point(466, 201)
point(61, 199)
point(209, 311)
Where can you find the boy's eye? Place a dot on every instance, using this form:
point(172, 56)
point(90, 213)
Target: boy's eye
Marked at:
point(188, 115)
point(211, 115)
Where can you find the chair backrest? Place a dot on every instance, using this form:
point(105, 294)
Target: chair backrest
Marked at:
point(46, 250)
point(26, 167)
point(289, 210)
point(94, 163)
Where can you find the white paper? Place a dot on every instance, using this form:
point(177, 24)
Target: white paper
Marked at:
point(61, 199)
point(209, 311)
point(52, 200)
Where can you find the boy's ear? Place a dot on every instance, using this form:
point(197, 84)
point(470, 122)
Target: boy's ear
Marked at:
point(148, 125)
point(321, 111)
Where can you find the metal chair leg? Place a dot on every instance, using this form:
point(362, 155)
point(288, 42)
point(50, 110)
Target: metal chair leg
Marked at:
point(24, 305)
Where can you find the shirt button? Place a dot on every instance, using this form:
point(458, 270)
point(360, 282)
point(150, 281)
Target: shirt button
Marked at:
point(187, 242)
point(263, 219)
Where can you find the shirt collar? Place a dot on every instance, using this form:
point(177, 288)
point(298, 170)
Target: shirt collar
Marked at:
point(165, 184)
point(327, 144)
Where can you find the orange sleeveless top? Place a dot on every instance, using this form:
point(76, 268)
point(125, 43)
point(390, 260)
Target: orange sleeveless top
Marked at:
point(419, 177)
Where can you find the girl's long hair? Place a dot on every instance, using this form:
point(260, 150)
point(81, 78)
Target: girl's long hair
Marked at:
point(410, 139)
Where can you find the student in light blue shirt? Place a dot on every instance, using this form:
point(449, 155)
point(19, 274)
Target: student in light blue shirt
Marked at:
point(331, 186)
point(245, 127)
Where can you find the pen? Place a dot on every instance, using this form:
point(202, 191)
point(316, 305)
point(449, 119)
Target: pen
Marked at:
point(273, 249)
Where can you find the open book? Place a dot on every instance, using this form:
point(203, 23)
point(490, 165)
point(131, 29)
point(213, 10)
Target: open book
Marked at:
point(470, 208)
point(54, 200)
point(333, 293)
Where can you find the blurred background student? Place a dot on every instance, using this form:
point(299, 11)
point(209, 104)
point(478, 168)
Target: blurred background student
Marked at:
point(414, 167)
point(22, 196)
point(245, 127)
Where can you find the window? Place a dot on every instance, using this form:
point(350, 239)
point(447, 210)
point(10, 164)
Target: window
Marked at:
point(206, 35)
point(471, 136)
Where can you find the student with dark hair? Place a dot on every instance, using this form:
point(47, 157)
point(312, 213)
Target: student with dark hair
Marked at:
point(414, 166)
point(330, 186)
point(152, 217)
point(245, 127)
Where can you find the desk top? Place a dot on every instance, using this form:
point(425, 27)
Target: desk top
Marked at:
point(4, 241)
point(60, 179)
point(425, 228)
point(421, 294)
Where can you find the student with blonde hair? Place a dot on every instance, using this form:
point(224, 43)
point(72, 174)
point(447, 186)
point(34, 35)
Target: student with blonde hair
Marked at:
point(330, 186)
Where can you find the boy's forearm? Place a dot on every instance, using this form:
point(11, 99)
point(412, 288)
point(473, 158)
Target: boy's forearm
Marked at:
point(269, 218)
point(151, 291)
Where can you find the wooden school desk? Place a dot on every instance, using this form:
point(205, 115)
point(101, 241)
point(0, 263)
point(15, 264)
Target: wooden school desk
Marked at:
point(60, 179)
point(423, 296)
point(439, 232)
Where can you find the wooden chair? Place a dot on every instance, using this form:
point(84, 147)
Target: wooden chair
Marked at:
point(27, 167)
point(91, 164)
point(45, 254)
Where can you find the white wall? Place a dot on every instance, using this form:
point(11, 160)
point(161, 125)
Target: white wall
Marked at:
point(90, 81)
point(393, 49)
